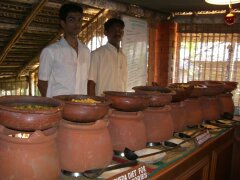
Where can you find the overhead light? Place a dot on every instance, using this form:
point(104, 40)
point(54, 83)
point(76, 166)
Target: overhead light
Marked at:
point(230, 18)
point(222, 2)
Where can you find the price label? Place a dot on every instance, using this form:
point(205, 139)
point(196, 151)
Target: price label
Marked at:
point(136, 173)
point(202, 138)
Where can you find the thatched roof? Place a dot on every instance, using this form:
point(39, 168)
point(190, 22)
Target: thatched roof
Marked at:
point(26, 27)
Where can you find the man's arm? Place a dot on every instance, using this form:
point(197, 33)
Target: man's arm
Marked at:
point(91, 88)
point(42, 86)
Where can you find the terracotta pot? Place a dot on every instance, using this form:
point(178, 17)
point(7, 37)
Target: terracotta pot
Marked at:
point(127, 129)
point(159, 123)
point(210, 108)
point(34, 158)
point(83, 112)
point(127, 101)
point(29, 120)
point(159, 96)
point(226, 103)
point(84, 146)
point(198, 91)
point(194, 111)
point(213, 87)
point(178, 116)
point(228, 86)
point(183, 91)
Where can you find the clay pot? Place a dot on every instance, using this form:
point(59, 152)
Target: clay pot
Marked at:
point(183, 91)
point(194, 111)
point(159, 96)
point(229, 86)
point(83, 112)
point(159, 123)
point(26, 119)
point(127, 101)
point(210, 108)
point(198, 91)
point(34, 158)
point(213, 87)
point(178, 116)
point(127, 129)
point(84, 146)
point(226, 103)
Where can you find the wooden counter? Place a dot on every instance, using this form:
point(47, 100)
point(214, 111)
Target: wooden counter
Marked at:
point(217, 159)
point(236, 155)
point(212, 160)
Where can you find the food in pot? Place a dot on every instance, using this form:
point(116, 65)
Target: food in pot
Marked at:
point(180, 86)
point(87, 100)
point(32, 107)
point(199, 86)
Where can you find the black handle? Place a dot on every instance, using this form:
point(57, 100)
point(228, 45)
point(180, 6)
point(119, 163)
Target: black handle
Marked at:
point(193, 135)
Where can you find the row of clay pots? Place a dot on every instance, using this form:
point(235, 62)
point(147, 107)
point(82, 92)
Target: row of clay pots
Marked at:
point(157, 124)
point(214, 107)
point(135, 129)
point(90, 145)
point(205, 108)
point(73, 147)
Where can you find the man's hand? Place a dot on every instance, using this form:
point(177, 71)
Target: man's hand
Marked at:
point(91, 88)
point(42, 86)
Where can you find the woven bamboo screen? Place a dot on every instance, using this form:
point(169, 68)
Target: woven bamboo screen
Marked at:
point(208, 52)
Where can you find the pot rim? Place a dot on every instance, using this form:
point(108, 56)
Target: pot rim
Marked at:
point(130, 115)
point(64, 99)
point(98, 124)
point(162, 108)
point(36, 137)
point(18, 99)
point(126, 94)
point(140, 90)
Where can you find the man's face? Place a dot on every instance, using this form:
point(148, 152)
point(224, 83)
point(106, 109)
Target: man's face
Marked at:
point(73, 23)
point(115, 33)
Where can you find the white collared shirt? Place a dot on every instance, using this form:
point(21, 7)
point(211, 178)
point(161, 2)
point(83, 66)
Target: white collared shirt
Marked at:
point(108, 69)
point(64, 69)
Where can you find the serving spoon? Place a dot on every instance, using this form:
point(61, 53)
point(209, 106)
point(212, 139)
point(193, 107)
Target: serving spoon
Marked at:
point(94, 173)
point(131, 155)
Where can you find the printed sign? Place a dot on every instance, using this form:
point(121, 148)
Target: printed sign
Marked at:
point(136, 173)
point(135, 44)
point(200, 139)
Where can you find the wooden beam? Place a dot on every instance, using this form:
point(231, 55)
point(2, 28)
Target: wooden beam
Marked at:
point(9, 66)
point(104, 4)
point(8, 26)
point(33, 61)
point(22, 28)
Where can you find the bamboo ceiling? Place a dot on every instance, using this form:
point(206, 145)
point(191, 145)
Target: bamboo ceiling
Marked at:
point(26, 27)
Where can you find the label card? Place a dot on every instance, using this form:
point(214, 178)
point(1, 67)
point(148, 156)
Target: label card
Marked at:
point(202, 138)
point(138, 172)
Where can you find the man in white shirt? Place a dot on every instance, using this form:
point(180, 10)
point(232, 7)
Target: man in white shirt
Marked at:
point(64, 65)
point(108, 70)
